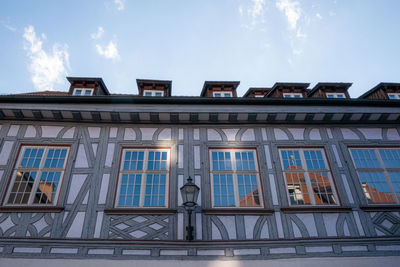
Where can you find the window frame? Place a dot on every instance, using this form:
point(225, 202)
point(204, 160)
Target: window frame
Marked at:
point(335, 95)
point(39, 170)
point(292, 95)
point(143, 183)
point(153, 93)
point(396, 96)
point(83, 90)
point(307, 177)
point(234, 172)
point(222, 94)
point(382, 169)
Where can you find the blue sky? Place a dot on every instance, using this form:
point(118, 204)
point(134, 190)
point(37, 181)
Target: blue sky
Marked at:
point(256, 42)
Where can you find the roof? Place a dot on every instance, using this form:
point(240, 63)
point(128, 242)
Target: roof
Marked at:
point(378, 87)
point(166, 83)
point(344, 86)
point(208, 84)
point(89, 79)
point(255, 89)
point(302, 86)
point(43, 93)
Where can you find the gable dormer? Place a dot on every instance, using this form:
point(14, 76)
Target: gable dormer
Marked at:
point(219, 89)
point(289, 90)
point(84, 86)
point(256, 92)
point(330, 90)
point(383, 91)
point(157, 88)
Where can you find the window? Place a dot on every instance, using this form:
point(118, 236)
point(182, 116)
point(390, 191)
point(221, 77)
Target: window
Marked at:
point(144, 178)
point(153, 93)
point(222, 94)
point(258, 95)
point(235, 178)
point(307, 177)
point(292, 95)
point(394, 96)
point(37, 176)
point(335, 95)
point(83, 91)
point(379, 172)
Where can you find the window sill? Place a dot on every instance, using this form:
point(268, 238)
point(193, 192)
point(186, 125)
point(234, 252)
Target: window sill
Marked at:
point(318, 209)
point(238, 211)
point(122, 211)
point(30, 209)
point(380, 208)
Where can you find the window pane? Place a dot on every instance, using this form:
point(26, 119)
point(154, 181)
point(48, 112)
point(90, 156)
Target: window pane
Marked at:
point(248, 191)
point(32, 158)
point(147, 94)
point(322, 188)
point(314, 160)
point(88, 92)
point(365, 158)
point(155, 190)
point(22, 188)
point(47, 188)
point(390, 157)
point(291, 159)
point(133, 160)
point(221, 161)
point(223, 191)
point(297, 189)
point(375, 187)
point(129, 195)
point(395, 179)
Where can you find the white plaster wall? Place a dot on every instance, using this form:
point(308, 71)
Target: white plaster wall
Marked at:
point(248, 135)
point(81, 158)
point(392, 134)
point(371, 133)
point(5, 152)
point(30, 132)
point(280, 135)
point(330, 223)
point(94, 132)
point(69, 133)
point(77, 181)
point(13, 131)
point(298, 133)
point(230, 133)
point(77, 225)
point(165, 134)
point(213, 135)
point(51, 131)
point(349, 134)
point(147, 133)
point(129, 134)
point(315, 134)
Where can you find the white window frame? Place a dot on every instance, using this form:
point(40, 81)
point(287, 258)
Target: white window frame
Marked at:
point(336, 95)
point(234, 173)
point(224, 94)
point(83, 90)
point(396, 96)
point(307, 177)
point(381, 169)
point(259, 96)
point(38, 171)
point(153, 93)
point(144, 172)
point(292, 95)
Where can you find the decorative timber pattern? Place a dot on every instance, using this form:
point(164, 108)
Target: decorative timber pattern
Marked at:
point(386, 223)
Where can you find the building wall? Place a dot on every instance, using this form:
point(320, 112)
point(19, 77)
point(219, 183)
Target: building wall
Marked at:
point(88, 189)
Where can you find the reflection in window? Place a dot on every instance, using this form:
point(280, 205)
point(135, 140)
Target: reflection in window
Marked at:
point(37, 176)
point(307, 176)
point(144, 178)
point(235, 178)
point(379, 172)
point(153, 93)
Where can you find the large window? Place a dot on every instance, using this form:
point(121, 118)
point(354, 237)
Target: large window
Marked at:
point(153, 93)
point(83, 91)
point(235, 178)
point(222, 94)
point(144, 178)
point(379, 172)
point(292, 95)
point(307, 177)
point(37, 176)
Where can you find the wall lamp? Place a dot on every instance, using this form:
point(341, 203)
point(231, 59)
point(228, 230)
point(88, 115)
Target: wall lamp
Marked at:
point(190, 192)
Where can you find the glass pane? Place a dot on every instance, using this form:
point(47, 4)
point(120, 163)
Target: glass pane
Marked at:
point(291, 159)
point(155, 190)
point(223, 190)
point(395, 179)
point(375, 187)
point(365, 158)
point(297, 189)
point(32, 158)
point(322, 188)
point(248, 190)
point(129, 194)
point(157, 161)
point(314, 160)
point(133, 161)
point(22, 188)
point(55, 158)
point(88, 92)
point(245, 161)
point(47, 188)
point(221, 161)
point(390, 157)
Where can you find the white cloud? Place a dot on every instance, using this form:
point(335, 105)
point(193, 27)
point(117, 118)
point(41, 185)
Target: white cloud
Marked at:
point(292, 11)
point(9, 27)
point(98, 34)
point(241, 11)
point(120, 4)
point(318, 16)
point(257, 10)
point(300, 34)
point(109, 51)
point(47, 68)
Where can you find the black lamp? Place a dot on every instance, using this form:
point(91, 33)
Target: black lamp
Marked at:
point(190, 192)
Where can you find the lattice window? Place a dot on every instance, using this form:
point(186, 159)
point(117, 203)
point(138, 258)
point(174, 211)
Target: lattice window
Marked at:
point(222, 94)
point(307, 177)
point(153, 93)
point(83, 92)
point(335, 95)
point(37, 176)
point(379, 172)
point(292, 95)
point(144, 178)
point(235, 178)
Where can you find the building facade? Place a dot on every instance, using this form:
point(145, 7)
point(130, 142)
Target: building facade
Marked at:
point(284, 173)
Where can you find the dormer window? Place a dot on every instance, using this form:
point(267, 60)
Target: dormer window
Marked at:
point(83, 92)
point(335, 95)
point(153, 93)
point(259, 96)
point(222, 94)
point(292, 95)
point(394, 96)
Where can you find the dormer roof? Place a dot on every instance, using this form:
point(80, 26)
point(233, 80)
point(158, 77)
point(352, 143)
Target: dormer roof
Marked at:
point(158, 85)
point(210, 86)
point(331, 86)
point(96, 83)
point(380, 91)
point(256, 91)
point(292, 87)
